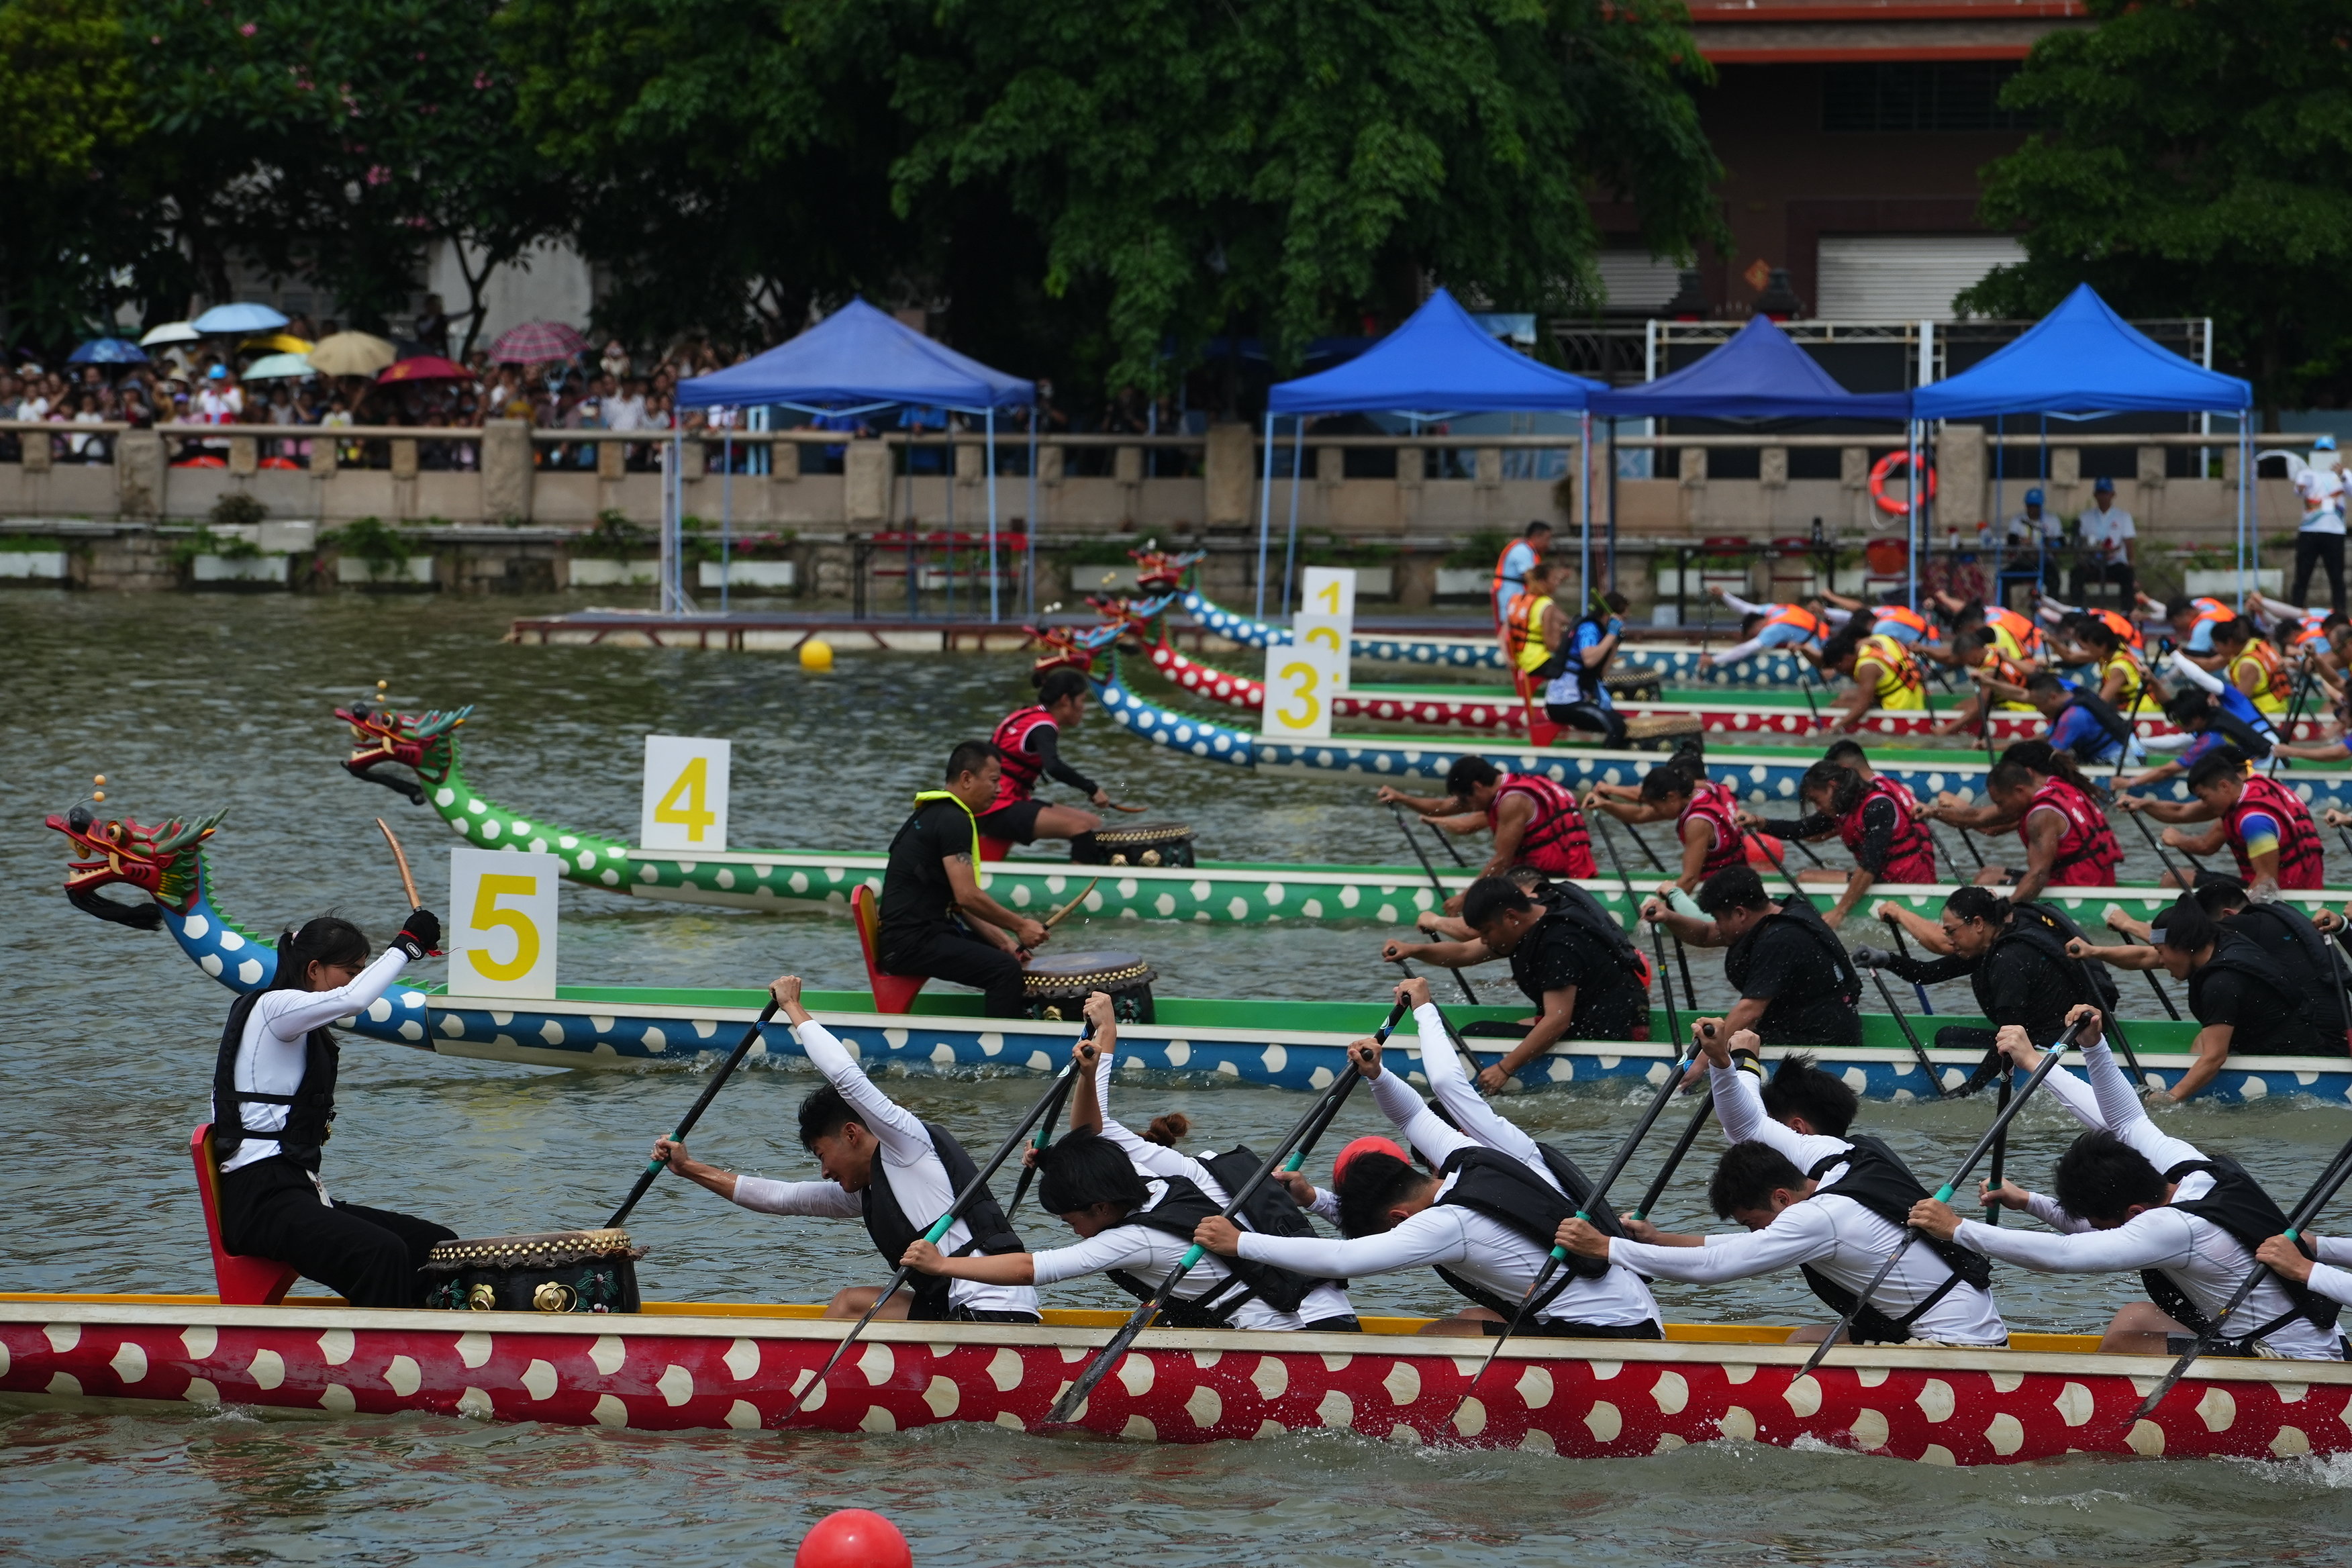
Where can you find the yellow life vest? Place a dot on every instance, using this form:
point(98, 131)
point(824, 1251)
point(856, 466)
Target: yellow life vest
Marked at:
point(951, 794)
point(1522, 633)
point(1900, 682)
point(2273, 685)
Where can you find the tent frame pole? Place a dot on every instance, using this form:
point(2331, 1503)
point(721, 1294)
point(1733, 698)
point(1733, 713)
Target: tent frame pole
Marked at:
point(725, 518)
point(1290, 547)
point(1584, 498)
point(1030, 573)
point(1265, 512)
point(994, 613)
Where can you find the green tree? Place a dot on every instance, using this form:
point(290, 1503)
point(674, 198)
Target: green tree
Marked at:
point(2194, 159)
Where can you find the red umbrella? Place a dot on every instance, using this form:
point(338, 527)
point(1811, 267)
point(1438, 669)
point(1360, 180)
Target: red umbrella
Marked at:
point(424, 367)
point(537, 342)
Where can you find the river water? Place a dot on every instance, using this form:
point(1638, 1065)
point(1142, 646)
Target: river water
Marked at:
point(191, 704)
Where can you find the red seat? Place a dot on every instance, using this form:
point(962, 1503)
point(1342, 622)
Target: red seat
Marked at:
point(994, 848)
point(892, 993)
point(243, 1281)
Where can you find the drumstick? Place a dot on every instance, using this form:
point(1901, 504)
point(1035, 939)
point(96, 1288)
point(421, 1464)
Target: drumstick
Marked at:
point(1056, 918)
point(406, 881)
point(1116, 806)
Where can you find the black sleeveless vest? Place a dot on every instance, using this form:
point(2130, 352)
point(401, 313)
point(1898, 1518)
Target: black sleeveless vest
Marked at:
point(309, 1109)
point(1508, 1192)
point(1177, 1210)
point(1876, 1178)
point(893, 1232)
point(2238, 1204)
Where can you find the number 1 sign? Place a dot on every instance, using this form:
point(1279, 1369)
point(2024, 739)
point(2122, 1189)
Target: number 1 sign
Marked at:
point(686, 794)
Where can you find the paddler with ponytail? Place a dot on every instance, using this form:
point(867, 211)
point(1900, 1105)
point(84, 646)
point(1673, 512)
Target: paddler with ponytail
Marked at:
point(884, 1164)
point(1535, 821)
point(1813, 1196)
point(2055, 810)
point(1028, 748)
point(936, 921)
point(1322, 1305)
point(2016, 961)
point(1876, 818)
point(1705, 815)
point(1484, 1219)
point(1133, 1227)
point(273, 1103)
point(2129, 1196)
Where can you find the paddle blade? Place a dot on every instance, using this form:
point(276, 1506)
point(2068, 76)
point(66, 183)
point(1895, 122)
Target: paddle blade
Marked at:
point(1065, 1408)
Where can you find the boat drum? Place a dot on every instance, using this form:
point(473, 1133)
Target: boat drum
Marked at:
point(681, 1367)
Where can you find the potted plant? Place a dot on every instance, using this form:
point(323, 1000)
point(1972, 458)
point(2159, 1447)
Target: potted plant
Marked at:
point(372, 553)
point(615, 554)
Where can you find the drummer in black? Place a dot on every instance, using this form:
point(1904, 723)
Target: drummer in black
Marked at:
point(936, 922)
point(1797, 987)
point(274, 1099)
point(1568, 958)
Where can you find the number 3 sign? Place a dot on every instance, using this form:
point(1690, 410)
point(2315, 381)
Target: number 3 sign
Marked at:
point(501, 931)
point(1299, 681)
point(686, 794)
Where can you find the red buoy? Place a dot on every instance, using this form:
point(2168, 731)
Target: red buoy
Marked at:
point(853, 1538)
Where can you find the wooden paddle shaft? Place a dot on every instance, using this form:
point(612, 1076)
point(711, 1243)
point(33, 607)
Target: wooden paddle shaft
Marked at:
point(401, 859)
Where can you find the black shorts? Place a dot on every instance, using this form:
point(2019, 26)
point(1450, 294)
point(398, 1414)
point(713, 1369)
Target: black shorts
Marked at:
point(1345, 1323)
point(1014, 824)
point(1558, 1328)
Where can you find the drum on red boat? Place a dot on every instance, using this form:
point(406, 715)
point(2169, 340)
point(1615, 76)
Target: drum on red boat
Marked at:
point(1058, 983)
point(555, 1271)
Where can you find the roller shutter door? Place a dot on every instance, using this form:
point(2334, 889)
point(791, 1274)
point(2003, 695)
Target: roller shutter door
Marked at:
point(1636, 280)
point(1904, 277)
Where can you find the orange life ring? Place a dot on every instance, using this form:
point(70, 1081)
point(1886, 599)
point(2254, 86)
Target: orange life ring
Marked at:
point(1878, 472)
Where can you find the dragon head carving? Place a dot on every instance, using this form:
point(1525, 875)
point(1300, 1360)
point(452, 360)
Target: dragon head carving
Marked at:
point(420, 742)
point(1062, 647)
point(161, 861)
point(1158, 571)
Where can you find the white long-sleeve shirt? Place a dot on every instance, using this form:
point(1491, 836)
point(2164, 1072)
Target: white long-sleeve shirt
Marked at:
point(1150, 1256)
point(2329, 1276)
point(2205, 1261)
point(1844, 1240)
point(1325, 1301)
point(917, 1178)
point(1483, 1251)
point(270, 1054)
point(1474, 1116)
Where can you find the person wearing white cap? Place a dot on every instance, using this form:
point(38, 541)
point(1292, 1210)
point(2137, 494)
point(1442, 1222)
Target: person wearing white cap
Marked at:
point(2105, 532)
point(2320, 540)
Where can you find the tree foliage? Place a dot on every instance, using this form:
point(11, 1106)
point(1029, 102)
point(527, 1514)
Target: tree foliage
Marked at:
point(2195, 158)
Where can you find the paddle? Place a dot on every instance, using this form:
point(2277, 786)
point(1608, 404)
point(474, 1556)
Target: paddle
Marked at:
point(1045, 1136)
point(2330, 1180)
point(1594, 1200)
point(2000, 1144)
point(2161, 994)
point(946, 1222)
point(1435, 882)
point(1944, 1193)
point(2157, 844)
point(701, 1103)
point(1698, 1118)
point(1682, 957)
point(1895, 930)
point(1318, 1116)
point(1926, 1063)
point(2293, 713)
point(1404, 962)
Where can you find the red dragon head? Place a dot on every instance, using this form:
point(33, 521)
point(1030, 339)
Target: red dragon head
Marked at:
point(418, 741)
point(161, 861)
point(1060, 647)
point(1158, 571)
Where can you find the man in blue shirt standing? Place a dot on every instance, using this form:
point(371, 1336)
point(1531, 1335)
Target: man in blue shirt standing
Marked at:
point(1511, 569)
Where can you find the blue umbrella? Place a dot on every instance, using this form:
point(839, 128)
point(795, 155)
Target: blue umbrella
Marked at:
point(239, 318)
point(108, 351)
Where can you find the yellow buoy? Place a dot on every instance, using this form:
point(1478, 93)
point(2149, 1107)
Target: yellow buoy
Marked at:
point(816, 655)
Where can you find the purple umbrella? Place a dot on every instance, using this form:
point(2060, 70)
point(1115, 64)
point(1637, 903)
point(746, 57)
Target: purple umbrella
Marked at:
point(537, 342)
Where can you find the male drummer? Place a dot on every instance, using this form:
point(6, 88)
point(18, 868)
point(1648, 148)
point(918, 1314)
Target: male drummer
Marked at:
point(936, 922)
point(1028, 746)
point(1535, 821)
point(273, 1097)
point(1570, 959)
point(886, 1165)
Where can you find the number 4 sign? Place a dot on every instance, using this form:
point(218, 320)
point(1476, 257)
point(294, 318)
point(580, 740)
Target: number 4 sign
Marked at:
point(686, 794)
point(501, 931)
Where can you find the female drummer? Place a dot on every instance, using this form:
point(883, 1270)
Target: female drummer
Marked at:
point(1273, 1207)
point(273, 1097)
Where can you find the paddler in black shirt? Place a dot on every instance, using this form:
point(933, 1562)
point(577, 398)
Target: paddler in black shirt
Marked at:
point(935, 920)
point(2237, 991)
point(1567, 955)
point(1797, 987)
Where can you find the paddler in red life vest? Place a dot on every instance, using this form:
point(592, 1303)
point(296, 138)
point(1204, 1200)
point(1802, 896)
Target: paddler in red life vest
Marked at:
point(1885, 675)
point(2055, 811)
point(1705, 813)
point(1877, 821)
point(2267, 830)
point(1535, 821)
point(1028, 745)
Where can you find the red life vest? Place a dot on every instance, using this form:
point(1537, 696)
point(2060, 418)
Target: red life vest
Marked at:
point(2301, 862)
point(1910, 854)
point(1022, 766)
point(1555, 841)
point(2087, 851)
point(1717, 806)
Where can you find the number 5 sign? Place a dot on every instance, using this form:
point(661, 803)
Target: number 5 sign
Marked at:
point(686, 794)
point(1299, 681)
point(501, 933)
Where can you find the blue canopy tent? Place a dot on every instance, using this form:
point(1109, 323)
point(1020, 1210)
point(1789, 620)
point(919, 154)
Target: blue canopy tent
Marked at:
point(1439, 363)
point(1758, 373)
point(2082, 361)
point(856, 359)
